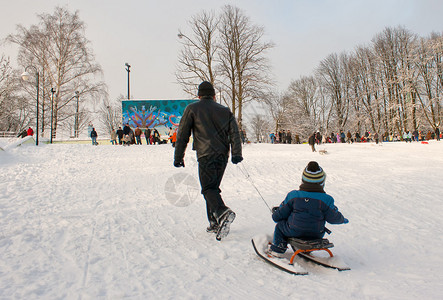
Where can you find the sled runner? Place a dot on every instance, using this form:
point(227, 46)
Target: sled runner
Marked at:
point(304, 248)
point(260, 244)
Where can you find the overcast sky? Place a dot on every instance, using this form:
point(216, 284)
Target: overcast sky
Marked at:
point(144, 33)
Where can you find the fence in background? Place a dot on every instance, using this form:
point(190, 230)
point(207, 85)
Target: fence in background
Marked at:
point(8, 134)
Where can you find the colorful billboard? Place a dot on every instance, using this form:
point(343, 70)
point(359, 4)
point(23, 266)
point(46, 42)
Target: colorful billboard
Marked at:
point(159, 114)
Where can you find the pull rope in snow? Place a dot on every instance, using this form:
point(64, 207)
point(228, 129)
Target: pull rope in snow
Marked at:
point(245, 172)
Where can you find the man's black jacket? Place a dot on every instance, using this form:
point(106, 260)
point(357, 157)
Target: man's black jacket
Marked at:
point(213, 127)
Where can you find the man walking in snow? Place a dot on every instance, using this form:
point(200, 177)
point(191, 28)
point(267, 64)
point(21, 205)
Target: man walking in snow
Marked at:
point(215, 132)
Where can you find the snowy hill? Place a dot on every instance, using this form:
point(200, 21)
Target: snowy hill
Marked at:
point(113, 222)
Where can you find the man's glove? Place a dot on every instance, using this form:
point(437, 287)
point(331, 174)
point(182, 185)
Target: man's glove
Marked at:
point(274, 209)
point(345, 221)
point(236, 159)
point(179, 164)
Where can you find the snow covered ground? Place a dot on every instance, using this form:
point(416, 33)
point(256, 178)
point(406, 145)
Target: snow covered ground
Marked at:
point(113, 222)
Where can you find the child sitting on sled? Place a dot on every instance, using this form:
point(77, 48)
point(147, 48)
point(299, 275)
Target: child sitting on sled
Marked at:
point(303, 212)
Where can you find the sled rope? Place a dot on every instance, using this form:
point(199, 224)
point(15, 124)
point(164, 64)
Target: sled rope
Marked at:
point(242, 168)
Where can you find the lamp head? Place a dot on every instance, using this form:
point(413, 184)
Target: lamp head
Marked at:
point(25, 76)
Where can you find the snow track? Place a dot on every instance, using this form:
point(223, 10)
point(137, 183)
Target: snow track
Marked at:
point(83, 222)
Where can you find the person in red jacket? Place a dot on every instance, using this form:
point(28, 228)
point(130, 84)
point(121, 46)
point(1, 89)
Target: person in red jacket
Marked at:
point(173, 137)
point(30, 131)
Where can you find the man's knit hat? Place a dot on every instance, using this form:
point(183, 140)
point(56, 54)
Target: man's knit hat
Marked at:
point(206, 89)
point(313, 173)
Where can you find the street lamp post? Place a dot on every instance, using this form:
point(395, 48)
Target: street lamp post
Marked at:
point(76, 125)
point(220, 96)
point(128, 69)
point(25, 77)
point(52, 112)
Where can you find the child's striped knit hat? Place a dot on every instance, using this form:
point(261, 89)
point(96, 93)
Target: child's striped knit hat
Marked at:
point(313, 173)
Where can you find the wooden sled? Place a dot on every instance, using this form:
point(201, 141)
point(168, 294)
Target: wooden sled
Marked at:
point(304, 248)
point(307, 246)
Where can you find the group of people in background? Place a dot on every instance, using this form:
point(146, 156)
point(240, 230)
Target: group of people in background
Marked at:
point(126, 136)
point(285, 137)
point(416, 136)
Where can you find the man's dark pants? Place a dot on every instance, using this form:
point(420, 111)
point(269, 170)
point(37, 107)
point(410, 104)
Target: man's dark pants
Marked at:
point(210, 170)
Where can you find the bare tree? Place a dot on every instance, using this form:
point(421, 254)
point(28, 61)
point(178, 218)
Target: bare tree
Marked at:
point(197, 58)
point(428, 87)
point(333, 74)
point(308, 111)
point(244, 65)
point(261, 127)
point(110, 114)
point(393, 85)
point(8, 116)
point(57, 46)
point(394, 49)
point(365, 97)
point(228, 51)
point(278, 106)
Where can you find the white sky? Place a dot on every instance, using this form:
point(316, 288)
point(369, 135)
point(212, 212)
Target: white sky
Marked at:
point(144, 33)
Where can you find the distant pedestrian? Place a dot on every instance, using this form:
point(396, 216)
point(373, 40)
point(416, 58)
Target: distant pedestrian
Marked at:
point(113, 137)
point(297, 139)
point(126, 129)
point(318, 137)
point(23, 134)
point(156, 135)
point(415, 135)
point(342, 137)
point(243, 136)
point(173, 138)
point(349, 137)
point(428, 135)
point(148, 136)
point(120, 135)
point(437, 133)
point(289, 137)
point(94, 136)
point(131, 136)
point(126, 140)
point(170, 133)
point(138, 133)
point(311, 142)
point(272, 137)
